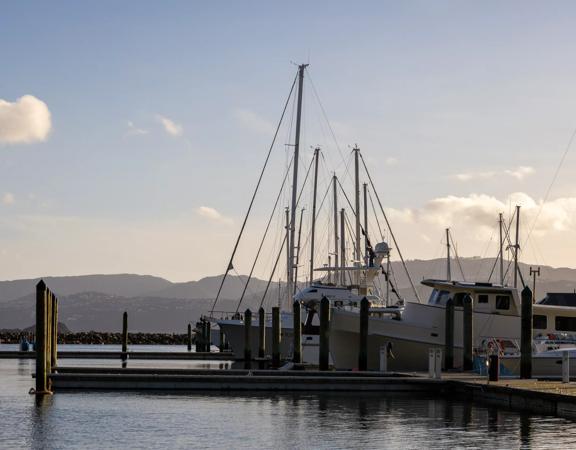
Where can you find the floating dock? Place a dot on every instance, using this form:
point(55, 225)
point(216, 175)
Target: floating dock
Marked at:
point(73, 354)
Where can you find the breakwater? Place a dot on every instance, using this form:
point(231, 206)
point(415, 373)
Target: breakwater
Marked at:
point(98, 337)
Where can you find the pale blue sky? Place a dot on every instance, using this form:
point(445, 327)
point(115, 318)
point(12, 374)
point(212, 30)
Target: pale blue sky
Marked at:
point(438, 88)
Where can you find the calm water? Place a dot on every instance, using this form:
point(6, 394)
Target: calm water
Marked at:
point(197, 420)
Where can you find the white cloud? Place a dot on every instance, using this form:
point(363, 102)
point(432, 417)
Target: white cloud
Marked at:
point(171, 127)
point(8, 198)
point(519, 173)
point(391, 161)
point(253, 121)
point(133, 130)
point(210, 213)
point(24, 121)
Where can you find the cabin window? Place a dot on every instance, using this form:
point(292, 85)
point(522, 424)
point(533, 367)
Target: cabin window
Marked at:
point(565, 323)
point(539, 322)
point(312, 290)
point(459, 298)
point(502, 302)
point(482, 298)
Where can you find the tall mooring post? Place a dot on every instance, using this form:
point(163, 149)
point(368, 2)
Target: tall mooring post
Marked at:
point(41, 338)
point(222, 346)
point(124, 334)
point(189, 337)
point(449, 336)
point(324, 355)
point(261, 333)
point(49, 332)
point(198, 336)
point(276, 337)
point(526, 334)
point(207, 335)
point(363, 343)
point(468, 333)
point(297, 327)
point(247, 337)
point(54, 346)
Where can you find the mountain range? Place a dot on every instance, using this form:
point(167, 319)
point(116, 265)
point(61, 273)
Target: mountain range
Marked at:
point(154, 304)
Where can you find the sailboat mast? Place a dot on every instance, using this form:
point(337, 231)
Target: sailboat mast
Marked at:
point(500, 223)
point(287, 211)
point(448, 271)
point(295, 185)
point(516, 246)
point(313, 231)
point(298, 251)
point(366, 244)
point(336, 251)
point(342, 247)
point(357, 208)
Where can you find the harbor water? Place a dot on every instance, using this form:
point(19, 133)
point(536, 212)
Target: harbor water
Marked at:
point(263, 420)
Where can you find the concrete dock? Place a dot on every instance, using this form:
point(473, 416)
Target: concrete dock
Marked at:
point(191, 356)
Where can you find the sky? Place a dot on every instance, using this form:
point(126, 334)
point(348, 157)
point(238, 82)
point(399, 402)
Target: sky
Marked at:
point(132, 133)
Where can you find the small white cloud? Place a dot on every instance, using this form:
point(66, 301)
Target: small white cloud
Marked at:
point(171, 127)
point(391, 161)
point(8, 198)
point(133, 130)
point(253, 121)
point(24, 121)
point(519, 173)
point(211, 214)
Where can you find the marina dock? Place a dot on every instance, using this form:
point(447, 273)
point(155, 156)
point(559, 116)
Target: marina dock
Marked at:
point(140, 355)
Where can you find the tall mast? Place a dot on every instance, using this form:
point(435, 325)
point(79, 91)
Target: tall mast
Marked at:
point(448, 272)
point(500, 223)
point(516, 246)
point(313, 231)
point(336, 251)
point(342, 246)
point(295, 184)
point(298, 251)
point(287, 211)
point(357, 208)
point(366, 243)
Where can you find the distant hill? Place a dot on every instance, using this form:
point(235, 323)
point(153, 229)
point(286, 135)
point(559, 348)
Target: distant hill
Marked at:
point(96, 302)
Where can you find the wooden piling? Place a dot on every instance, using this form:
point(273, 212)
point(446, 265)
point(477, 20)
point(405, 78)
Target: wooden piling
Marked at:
point(40, 344)
point(297, 333)
point(124, 335)
point(247, 337)
point(526, 334)
point(54, 346)
point(198, 336)
point(222, 345)
point(468, 333)
point(48, 328)
point(324, 355)
point(207, 336)
point(363, 343)
point(276, 337)
point(449, 336)
point(189, 337)
point(493, 367)
point(261, 333)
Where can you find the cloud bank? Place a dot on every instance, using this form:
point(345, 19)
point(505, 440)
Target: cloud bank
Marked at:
point(24, 121)
point(519, 173)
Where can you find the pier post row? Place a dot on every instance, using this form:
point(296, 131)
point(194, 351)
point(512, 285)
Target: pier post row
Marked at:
point(526, 334)
point(276, 337)
point(468, 322)
point(449, 336)
point(261, 333)
point(324, 354)
point(297, 352)
point(363, 342)
point(247, 337)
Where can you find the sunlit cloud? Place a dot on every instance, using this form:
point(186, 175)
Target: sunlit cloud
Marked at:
point(24, 121)
point(133, 130)
point(519, 173)
point(212, 214)
point(8, 198)
point(170, 127)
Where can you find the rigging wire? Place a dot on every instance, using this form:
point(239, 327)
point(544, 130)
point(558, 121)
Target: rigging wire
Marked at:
point(230, 263)
point(390, 230)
